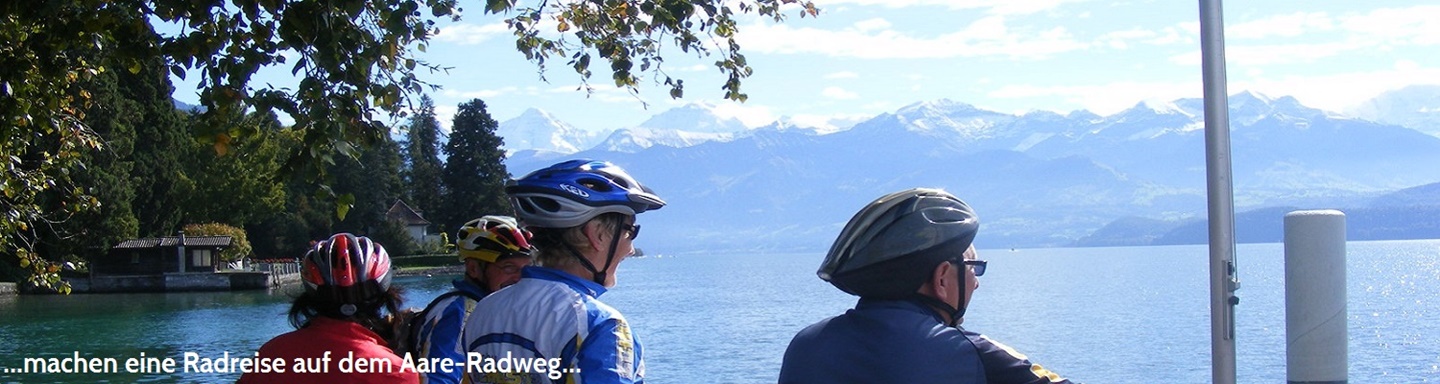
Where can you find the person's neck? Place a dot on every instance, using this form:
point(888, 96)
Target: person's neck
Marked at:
point(578, 270)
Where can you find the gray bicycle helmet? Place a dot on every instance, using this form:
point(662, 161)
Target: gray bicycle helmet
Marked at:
point(888, 249)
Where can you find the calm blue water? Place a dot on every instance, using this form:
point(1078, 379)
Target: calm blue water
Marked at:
point(1098, 315)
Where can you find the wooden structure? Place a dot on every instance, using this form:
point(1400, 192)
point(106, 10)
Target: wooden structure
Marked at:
point(156, 256)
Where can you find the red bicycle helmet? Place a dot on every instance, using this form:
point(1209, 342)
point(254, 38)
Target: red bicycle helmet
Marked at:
point(347, 269)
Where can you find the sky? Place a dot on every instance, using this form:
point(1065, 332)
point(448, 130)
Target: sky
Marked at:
point(861, 58)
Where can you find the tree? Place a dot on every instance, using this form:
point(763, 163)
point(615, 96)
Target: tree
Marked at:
point(374, 181)
point(106, 177)
point(355, 58)
point(475, 174)
point(237, 188)
point(422, 160)
point(239, 245)
point(159, 157)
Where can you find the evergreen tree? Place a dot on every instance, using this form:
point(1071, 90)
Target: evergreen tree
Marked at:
point(238, 187)
point(422, 160)
point(113, 116)
point(162, 142)
point(374, 181)
point(355, 58)
point(475, 174)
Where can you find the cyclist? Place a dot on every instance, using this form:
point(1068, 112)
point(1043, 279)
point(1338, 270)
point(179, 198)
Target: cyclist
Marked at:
point(582, 214)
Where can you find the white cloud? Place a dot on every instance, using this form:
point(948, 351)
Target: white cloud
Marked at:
point(693, 68)
point(997, 7)
point(480, 94)
point(1285, 54)
point(1333, 92)
point(1326, 38)
point(1291, 25)
point(842, 75)
point(872, 25)
point(989, 36)
point(445, 114)
point(470, 34)
point(1340, 91)
point(1179, 34)
point(838, 93)
point(750, 115)
point(1418, 25)
point(1102, 99)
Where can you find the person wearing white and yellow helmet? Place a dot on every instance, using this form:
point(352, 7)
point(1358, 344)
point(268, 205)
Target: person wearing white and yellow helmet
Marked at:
point(494, 249)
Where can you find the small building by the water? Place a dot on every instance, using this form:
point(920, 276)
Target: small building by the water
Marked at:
point(415, 224)
point(170, 263)
point(155, 256)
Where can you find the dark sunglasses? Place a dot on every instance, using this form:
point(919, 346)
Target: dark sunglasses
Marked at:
point(977, 265)
point(634, 230)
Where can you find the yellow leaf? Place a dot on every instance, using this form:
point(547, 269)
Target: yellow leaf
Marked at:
point(222, 144)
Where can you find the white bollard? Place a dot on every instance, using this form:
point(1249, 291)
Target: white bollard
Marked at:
point(1316, 339)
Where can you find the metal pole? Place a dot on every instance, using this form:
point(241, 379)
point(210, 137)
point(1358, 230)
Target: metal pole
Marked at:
point(1220, 193)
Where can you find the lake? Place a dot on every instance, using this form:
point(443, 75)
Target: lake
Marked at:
point(1097, 315)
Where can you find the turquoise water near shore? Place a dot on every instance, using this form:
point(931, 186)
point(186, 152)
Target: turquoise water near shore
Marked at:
point(1097, 315)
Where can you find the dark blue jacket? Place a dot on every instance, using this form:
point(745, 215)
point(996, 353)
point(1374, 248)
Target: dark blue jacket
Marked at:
point(1005, 365)
point(882, 341)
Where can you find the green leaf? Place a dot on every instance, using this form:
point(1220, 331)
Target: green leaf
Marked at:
point(343, 204)
point(497, 6)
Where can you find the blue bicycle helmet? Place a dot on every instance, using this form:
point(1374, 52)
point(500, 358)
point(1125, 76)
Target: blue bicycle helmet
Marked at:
point(570, 193)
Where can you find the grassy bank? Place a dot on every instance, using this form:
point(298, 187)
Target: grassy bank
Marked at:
point(433, 264)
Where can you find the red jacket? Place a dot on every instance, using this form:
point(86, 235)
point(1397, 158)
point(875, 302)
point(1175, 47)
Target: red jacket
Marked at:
point(356, 355)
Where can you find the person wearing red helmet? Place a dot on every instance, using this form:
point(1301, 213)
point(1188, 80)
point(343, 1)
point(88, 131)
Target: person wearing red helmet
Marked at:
point(341, 315)
point(494, 249)
point(582, 214)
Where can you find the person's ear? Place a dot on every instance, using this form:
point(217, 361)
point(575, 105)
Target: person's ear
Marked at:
point(594, 234)
point(940, 282)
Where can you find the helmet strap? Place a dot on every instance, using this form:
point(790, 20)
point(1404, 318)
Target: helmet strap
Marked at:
point(960, 292)
point(598, 275)
point(609, 256)
point(595, 275)
point(954, 313)
point(940, 306)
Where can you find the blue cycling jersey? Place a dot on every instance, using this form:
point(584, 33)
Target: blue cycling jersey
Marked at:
point(439, 333)
point(551, 327)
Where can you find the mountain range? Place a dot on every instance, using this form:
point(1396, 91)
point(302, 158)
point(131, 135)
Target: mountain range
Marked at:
point(1136, 177)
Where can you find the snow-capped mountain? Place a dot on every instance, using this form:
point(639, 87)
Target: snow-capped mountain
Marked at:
point(538, 130)
point(695, 117)
point(1040, 178)
point(1416, 107)
point(631, 140)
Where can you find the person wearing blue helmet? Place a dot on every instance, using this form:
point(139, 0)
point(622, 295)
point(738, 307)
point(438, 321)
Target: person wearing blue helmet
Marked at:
point(581, 214)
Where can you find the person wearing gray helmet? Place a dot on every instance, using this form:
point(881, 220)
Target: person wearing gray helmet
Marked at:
point(908, 256)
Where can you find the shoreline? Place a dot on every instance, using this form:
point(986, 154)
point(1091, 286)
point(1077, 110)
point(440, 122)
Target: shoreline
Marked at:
point(431, 271)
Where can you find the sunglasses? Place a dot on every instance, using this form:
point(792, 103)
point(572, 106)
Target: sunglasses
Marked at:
point(633, 229)
point(977, 265)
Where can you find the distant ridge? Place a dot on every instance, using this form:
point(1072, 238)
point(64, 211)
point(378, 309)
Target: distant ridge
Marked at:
point(1037, 179)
